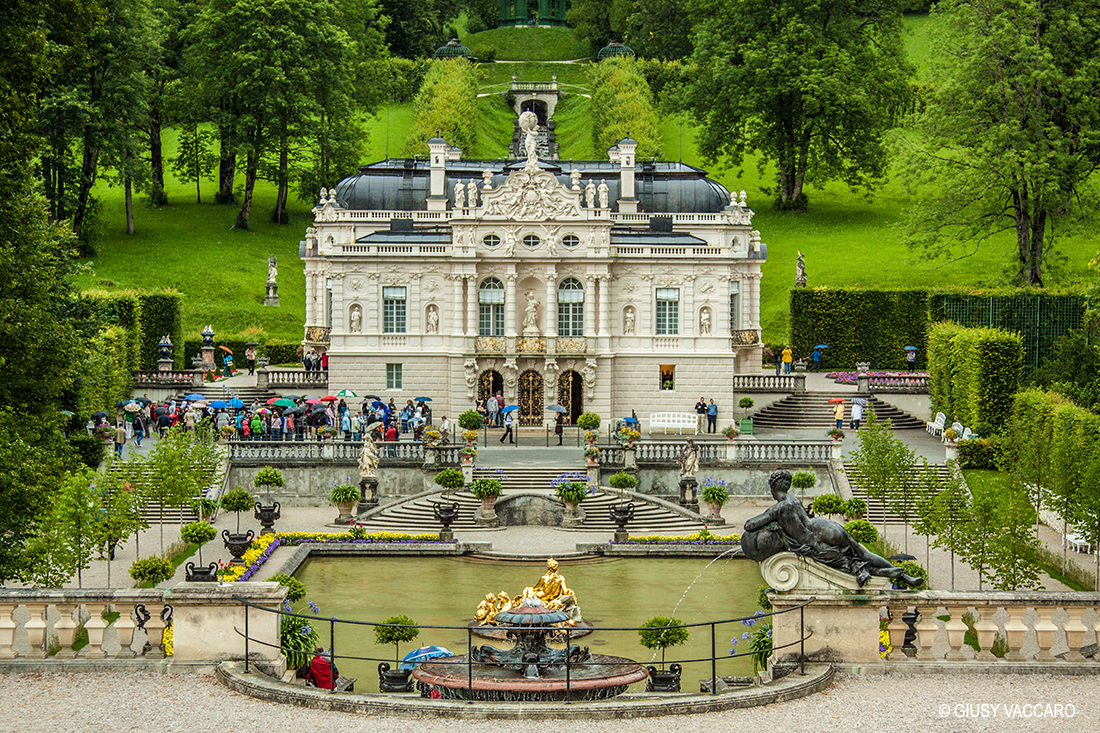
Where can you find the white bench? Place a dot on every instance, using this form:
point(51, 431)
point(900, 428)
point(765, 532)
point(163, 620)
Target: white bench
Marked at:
point(1077, 542)
point(673, 420)
point(936, 426)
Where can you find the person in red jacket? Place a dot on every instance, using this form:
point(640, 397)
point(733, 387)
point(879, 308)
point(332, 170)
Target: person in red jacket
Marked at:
point(322, 672)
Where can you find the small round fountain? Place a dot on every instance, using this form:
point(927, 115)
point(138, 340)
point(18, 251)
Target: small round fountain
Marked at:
point(531, 669)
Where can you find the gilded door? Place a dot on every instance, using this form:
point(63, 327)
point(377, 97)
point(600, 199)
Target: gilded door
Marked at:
point(489, 383)
point(570, 395)
point(530, 398)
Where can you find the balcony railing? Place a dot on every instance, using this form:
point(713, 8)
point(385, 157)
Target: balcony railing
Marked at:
point(490, 345)
point(294, 378)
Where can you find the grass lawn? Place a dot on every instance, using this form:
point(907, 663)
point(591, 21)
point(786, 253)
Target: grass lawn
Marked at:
point(528, 44)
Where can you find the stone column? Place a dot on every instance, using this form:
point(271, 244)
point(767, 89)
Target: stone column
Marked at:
point(471, 305)
point(754, 317)
point(605, 304)
point(457, 327)
point(551, 301)
point(206, 617)
point(589, 306)
point(339, 308)
point(510, 305)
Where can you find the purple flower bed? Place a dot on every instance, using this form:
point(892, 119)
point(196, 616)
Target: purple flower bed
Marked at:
point(897, 377)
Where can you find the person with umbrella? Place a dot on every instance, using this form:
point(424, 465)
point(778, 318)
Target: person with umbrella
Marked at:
point(816, 358)
point(838, 413)
point(911, 357)
point(858, 404)
point(559, 426)
point(508, 424)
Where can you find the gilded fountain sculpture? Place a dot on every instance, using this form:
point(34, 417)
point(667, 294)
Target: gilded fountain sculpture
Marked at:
point(550, 590)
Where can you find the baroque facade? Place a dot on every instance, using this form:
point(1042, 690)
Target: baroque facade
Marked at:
point(605, 286)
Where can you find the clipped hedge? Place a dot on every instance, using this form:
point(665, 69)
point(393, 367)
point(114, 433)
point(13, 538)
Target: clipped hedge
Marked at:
point(278, 351)
point(974, 373)
point(622, 105)
point(859, 325)
point(981, 453)
point(146, 315)
point(104, 377)
point(446, 105)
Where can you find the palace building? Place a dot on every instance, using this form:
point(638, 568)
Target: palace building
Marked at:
point(605, 286)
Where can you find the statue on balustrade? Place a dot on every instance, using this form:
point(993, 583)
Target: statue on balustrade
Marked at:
point(785, 527)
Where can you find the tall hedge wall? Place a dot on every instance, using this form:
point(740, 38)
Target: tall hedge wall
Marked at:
point(104, 377)
point(975, 372)
point(622, 104)
point(859, 325)
point(146, 316)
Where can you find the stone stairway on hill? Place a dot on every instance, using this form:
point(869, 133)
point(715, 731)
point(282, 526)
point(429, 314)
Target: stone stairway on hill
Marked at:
point(246, 394)
point(416, 516)
point(141, 478)
point(920, 483)
point(813, 410)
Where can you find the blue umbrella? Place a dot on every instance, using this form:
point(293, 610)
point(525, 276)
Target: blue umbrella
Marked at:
point(822, 346)
point(910, 348)
point(219, 404)
point(510, 408)
point(194, 397)
point(423, 654)
point(630, 421)
point(377, 403)
point(423, 399)
point(236, 403)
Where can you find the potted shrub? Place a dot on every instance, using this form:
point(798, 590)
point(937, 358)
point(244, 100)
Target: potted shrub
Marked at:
point(150, 571)
point(627, 436)
point(746, 403)
point(855, 508)
point(592, 455)
point(588, 421)
point(836, 434)
point(591, 436)
point(623, 480)
point(470, 436)
point(400, 628)
point(731, 433)
point(862, 531)
point(950, 436)
point(828, 504)
point(295, 589)
point(432, 437)
point(267, 477)
point(450, 478)
point(227, 431)
point(571, 493)
point(656, 634)
point(471, 420)
point(238, 500)
point(297, 637)
point(199, 533)
point(714, 495)
point(468, 453)
point(326, 432)
point(342, 497)
point(204, 507)
point(803, 480)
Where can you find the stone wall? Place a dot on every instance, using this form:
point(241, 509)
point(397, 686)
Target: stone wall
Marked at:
point(310, 485)
point(746, 482)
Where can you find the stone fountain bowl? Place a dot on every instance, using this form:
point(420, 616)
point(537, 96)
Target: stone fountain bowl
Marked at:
point(535, 616)
point(601, 678)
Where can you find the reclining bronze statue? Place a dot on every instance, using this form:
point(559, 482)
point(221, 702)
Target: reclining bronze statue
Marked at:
point(785, 527)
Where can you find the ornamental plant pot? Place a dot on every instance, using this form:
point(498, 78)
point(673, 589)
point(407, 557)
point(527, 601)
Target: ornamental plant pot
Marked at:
point(237, 544)
point(345, 512)
point(207, 574)
point(713, 510)
point(662, 680)
point(952, 451)
point(570, 508)
point(266, 516)
point(746, 426)
point(395, 680)
point(487, 504)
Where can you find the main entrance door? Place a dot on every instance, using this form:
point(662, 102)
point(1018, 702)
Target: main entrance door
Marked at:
point(530, 398)
point(570, 395)
point(489, 383)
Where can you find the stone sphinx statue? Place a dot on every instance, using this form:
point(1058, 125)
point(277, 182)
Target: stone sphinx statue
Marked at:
point(785, 527)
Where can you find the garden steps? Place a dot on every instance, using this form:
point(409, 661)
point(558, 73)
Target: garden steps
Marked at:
point(875, 508)
point(812, 410)
point(141, 476)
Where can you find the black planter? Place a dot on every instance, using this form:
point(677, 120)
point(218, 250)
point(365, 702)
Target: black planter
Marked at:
point(621, 514)
point(393, 681)
point(661, 680)
point(445, 513)
point(237, 544)
point(266, 516)
point(207, 574)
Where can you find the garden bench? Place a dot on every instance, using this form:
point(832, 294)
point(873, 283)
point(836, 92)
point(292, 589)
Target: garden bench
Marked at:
point(678, 420)
point(1077, 542)
point(936, 426)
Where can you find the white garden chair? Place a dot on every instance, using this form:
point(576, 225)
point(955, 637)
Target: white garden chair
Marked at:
point(936, 426)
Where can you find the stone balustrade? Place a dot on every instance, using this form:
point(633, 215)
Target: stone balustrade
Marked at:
point(769, 383)
point(262, 452)
point(898, 383)
point(275, 378)
point(167, 379)
point(754, 452)
point(36, 624)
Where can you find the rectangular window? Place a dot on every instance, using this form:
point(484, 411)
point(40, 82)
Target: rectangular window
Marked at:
point(570, 318)
point(668, 377)
point(393, 310)
point(490, 312)
point(668, 311)
point(735, 309)
point(393, 376)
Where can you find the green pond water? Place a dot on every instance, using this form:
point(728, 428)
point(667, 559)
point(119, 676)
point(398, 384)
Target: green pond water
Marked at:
point(611, 593)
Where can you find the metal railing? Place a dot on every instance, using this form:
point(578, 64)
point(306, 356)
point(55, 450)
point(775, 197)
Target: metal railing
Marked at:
point(564, 635)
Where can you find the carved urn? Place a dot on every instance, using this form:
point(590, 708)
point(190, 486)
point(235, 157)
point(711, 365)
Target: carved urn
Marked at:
point(237, 544)
point(208, 574)
point(266, 516)
point(661, 680)
point(395, 680)
point(445, 514)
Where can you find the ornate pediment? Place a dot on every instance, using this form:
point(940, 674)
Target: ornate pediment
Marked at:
point(531, 194)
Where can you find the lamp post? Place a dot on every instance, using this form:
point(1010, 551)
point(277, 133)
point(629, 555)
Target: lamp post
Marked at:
point(164, 364)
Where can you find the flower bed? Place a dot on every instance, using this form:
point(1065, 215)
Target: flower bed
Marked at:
point(693, 539)
point(850, 377)
point(262, 547)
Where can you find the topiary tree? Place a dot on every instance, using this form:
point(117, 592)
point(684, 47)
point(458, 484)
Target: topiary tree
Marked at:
point(862, 530)
point(267, 477)
point(471, 420)
point(401, 628)
point(450, 478)
point(623, 480)
point(588, 421)
point(238, 500)
point(803, 480)
point(295, 589)
point(746, 403)
point(657, 634)
point(828, 504)
point(198, 533)
point(152, 570)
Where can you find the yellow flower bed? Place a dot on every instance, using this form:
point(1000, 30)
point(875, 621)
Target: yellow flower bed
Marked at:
point(168, 636)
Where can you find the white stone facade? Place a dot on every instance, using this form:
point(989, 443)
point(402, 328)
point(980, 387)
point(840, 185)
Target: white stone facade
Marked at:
point(403, 299)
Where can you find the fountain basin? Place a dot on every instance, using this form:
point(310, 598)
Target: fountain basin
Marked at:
point(583, 628)
point(601, 677)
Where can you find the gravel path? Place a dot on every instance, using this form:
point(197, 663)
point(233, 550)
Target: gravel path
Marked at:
point(105, 703)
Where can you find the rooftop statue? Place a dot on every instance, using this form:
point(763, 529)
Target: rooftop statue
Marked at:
point(785, 527)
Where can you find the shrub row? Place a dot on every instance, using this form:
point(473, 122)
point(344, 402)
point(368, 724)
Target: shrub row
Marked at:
point(278, 351)
point(622, 105)
point(146, 315)
point(446, 105)
point(974, 372)
point(104, 378)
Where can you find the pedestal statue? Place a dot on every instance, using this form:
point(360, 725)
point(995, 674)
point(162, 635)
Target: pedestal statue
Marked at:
point(272, 297)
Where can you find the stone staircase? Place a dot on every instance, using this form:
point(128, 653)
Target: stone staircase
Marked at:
point(875, 508)
point(248, 395)
point(141, 477)
point(812, 410)
point(415, 515)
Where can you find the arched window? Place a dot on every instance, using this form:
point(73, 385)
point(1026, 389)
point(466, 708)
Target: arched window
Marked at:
point(570, 308)
point(490, 307)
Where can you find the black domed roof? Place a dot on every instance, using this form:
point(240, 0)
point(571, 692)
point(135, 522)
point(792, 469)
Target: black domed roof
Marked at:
point(452, 49)
point(612, 49)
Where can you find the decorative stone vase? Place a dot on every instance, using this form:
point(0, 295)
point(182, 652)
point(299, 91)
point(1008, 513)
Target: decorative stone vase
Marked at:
point(345, 512)
point(570, 508)
point(487, 504)
point(445, 514)
point(952, 451)
point(237, 544)
point(396, 680)
point(620, 515)
point(468, 459)
point(208, 574)
point(863, 366)
point(661, 680)
point(714, 511)
point(266, 516)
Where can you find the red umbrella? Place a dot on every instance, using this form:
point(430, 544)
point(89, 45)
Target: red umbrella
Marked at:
point(330, 398)
point(313, 402)
point(836, 399)
point(226, 348)
point(272, 400)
